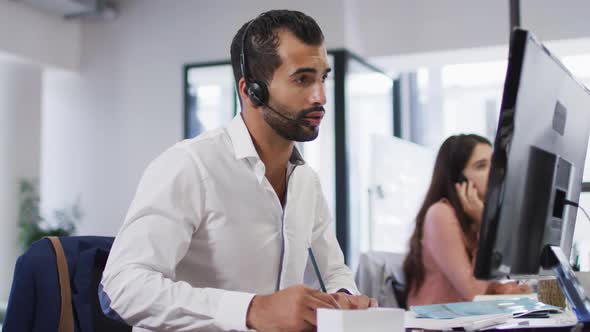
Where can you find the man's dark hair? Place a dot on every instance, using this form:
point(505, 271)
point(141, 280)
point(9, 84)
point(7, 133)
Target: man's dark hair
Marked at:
point(262, 42)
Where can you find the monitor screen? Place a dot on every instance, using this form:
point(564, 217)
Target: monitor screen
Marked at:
point(537, 163)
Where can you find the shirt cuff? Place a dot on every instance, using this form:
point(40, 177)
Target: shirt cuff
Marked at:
point(232, 310)
point(348, 290)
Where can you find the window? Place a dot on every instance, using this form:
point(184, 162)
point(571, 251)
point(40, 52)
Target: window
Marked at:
point(369, 115)
point(458, 98)
point(210, 100)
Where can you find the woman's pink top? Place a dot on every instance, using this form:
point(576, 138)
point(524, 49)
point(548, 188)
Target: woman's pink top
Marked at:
point(448, 271)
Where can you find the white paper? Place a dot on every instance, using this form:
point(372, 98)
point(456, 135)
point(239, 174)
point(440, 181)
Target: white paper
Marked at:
point(555, 320)
point(374, 320)
point(469, 323)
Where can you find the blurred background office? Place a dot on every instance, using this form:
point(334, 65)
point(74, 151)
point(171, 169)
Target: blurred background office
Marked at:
point(91, 91)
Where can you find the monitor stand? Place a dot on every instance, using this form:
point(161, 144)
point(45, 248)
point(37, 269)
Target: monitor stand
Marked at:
point(553, 258)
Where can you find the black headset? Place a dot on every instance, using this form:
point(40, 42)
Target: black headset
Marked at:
point(257, 90)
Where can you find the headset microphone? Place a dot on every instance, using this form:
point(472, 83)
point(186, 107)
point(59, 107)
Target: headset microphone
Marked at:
point(290, 120)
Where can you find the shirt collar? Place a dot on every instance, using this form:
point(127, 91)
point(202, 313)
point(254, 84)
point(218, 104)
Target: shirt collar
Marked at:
point(244, 147)
point(241, 139)
point(296, 158)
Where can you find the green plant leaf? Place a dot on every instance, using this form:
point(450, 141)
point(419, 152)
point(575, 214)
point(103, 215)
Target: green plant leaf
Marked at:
point(32, 226)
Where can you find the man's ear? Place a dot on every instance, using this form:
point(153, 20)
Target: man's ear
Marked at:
point(243, 93)
point(242, 89)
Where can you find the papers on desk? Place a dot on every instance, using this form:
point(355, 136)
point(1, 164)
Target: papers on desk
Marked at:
point(470, 323)
point(374, 320)
point(556, 320)
point(516, 306)
point(488, 322)
point(500, 313)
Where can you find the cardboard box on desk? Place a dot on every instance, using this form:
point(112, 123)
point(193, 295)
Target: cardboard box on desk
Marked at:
point(374, 319)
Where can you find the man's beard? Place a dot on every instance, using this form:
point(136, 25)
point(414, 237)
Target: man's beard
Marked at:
point(292, 128)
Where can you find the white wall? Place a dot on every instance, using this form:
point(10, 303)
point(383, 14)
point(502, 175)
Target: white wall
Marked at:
point(38, 37)
point(80, 147)
point(457, 31)
point(29, 39)
point(20, 108)
point(125, 105)
point(403, 27)
point(554, 20)
point(394, 27)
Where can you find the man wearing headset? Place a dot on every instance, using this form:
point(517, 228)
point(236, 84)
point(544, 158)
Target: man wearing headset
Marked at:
point(218, 234)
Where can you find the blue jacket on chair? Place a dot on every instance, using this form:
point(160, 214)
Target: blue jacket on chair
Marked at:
point(34, 302)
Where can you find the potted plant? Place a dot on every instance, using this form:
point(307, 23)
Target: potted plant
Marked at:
point(33, 226)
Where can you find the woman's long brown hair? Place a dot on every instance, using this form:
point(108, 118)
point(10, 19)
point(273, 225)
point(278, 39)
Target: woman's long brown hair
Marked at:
point(451, 160)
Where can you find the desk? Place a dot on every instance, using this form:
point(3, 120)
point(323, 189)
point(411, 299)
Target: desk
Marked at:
point(557, 322)
point(562, 322)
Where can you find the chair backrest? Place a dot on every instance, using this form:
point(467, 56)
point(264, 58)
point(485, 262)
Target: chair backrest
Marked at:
point(380, 275)
point(39, 296)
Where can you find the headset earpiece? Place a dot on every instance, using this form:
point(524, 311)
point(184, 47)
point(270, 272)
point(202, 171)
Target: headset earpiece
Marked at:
point(257, 92)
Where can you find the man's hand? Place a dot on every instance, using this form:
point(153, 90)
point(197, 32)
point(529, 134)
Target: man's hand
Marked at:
point(347, 301)
point(291, 309)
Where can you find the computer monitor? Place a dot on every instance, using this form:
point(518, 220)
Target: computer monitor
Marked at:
point(537, 163)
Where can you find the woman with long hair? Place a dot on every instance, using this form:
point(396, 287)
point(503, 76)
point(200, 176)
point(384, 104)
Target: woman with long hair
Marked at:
point(439, 265)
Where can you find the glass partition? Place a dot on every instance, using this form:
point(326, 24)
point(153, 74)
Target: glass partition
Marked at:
point(369, 112)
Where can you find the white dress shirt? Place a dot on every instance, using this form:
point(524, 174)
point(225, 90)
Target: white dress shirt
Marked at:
point(206, 231)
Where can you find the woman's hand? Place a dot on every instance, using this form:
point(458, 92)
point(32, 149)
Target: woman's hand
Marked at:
point(508, 288)
point(471, 203)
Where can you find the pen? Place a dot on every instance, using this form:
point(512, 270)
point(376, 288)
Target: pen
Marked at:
point(316, 269)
